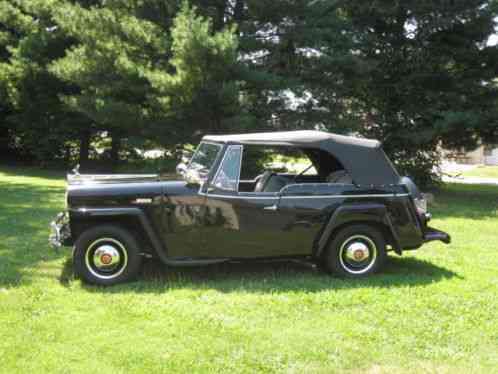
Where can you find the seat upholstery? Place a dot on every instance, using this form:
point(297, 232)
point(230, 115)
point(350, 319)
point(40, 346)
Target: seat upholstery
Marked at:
point(340, 177)
point(270, 182)
point(275, 183)
point(263, 181)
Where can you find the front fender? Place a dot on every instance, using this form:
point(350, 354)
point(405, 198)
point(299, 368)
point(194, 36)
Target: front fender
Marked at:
point(88, 213)
point(356, 213)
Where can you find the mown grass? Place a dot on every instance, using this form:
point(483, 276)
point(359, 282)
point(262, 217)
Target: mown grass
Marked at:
point(483, 172)
point(434, 310)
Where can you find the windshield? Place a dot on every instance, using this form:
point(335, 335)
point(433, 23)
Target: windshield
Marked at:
point(204, 157)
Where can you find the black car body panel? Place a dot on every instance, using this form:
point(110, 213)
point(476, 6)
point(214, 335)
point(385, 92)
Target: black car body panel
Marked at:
point(182, 222)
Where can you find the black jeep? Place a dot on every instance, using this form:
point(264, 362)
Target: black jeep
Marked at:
point(330, 199)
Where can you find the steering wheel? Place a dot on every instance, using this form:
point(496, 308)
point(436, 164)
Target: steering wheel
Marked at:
point(263, 181)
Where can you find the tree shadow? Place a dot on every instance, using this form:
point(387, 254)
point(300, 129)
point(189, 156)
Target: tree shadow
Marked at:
point(31, 171)
point(267, 277)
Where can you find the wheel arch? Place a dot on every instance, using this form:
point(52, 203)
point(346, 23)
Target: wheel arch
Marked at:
point(373, 215)
point(133, 220)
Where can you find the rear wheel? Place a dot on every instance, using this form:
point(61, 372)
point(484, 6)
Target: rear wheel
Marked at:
point(106, 255)
point(356, 251)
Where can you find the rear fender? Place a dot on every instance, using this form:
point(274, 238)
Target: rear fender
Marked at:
point(374, 214)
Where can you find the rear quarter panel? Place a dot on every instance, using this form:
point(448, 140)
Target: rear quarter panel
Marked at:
point(310, 207)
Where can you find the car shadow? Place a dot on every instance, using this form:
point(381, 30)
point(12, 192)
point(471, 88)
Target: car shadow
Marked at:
point(268, 277)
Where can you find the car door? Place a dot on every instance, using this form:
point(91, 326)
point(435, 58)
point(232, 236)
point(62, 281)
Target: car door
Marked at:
point(244, 224)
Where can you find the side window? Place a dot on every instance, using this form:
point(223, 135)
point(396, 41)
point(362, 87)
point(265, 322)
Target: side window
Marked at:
point(286, 160)
point(228, 174)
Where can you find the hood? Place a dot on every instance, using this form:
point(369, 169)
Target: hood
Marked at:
point(123, 191)
point(112, 194)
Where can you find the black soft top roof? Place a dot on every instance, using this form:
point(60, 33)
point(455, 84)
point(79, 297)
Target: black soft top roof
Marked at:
point(363, 158)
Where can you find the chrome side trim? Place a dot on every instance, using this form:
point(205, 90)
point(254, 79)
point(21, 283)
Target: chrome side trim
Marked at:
point(302, 197)
point(240, 196)
point(344, 196)
point(314, 184)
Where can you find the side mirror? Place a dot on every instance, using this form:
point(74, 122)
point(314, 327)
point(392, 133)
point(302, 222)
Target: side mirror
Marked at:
point(181, 169)
point(192, 177)
point(76, 170)
point(186, 156)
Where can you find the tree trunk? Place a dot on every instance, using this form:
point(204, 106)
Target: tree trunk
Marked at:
point(115, 148)
point(67, 154)
point(84, 149)
point(238, 10)
point(219, 19)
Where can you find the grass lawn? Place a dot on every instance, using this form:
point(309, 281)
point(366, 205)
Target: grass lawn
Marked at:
point(482, 171)
point(433, 310)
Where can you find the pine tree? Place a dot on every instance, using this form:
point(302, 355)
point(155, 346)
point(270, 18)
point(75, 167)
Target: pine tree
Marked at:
point(427, 82)
point(35, 122)
point(141, 75)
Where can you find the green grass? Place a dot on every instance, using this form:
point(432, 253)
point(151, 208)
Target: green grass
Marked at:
point(482, 171)
point(433, 310)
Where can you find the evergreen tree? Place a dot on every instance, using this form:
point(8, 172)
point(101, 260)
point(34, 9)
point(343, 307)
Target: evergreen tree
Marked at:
point(427, 82)
point(35, 120)
point(144, 76)
point(114, 50)
point(416, 75)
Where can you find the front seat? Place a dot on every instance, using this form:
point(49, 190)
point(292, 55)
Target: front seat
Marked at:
point(340, 177)
point(263, 181)
point(275, 183)
point(270, 182)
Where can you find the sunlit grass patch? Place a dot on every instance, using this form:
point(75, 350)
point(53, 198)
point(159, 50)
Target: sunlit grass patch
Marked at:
point(432, 310)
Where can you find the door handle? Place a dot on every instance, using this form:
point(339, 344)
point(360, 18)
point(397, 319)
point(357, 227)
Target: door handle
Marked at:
point(271, 207)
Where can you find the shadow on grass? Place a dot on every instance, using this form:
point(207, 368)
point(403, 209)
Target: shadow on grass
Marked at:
point(31, 171)
point(26, 210)
point(267, 277)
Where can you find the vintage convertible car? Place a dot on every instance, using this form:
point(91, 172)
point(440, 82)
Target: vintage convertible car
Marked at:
point(333, 200)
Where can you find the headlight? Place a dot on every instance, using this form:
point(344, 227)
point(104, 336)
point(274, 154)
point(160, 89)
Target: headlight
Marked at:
point(421, 205)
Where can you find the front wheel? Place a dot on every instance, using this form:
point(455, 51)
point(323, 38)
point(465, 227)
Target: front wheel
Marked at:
point(106, 255)
point(356, 251)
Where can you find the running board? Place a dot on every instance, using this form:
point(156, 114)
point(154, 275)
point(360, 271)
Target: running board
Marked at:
point(187, 261)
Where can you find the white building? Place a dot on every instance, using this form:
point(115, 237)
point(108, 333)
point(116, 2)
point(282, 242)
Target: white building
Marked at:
point(484, 155)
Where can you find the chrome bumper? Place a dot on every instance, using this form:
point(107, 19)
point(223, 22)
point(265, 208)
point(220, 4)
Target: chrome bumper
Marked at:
point(59, 231)
point(434, 234)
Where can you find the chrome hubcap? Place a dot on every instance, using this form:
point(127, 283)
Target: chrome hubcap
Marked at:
point(357, 254)
point(106, 258)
